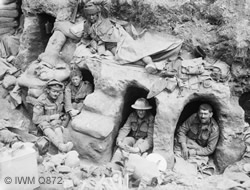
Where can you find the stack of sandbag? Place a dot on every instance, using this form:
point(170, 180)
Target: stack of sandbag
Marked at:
point(52, 66)
point(48, 66)
point(8, 16)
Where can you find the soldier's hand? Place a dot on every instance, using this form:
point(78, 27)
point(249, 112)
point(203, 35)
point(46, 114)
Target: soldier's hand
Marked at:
point(74, 112)
point(55, 117)
point(184, 152)
point(192, 146)
point(191, 152)
point(120, 144)
point(62, 116)
point(131, 149)
point(134, 150)
point(92, 50)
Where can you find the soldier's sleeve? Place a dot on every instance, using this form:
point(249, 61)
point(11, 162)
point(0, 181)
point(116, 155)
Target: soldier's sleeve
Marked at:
point(184, 128)
point(67, 99)
point(124, 131)
point(148, 142)
point(212, 142)
point(38, 113)
point(85, 33)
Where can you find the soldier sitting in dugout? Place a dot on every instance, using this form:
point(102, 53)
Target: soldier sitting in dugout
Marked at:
point(75, 93)
point(48, 115)
point(136, 136)
point(199, 134)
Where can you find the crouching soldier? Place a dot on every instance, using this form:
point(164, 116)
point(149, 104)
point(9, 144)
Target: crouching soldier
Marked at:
point(136, 136)
point(48, 115)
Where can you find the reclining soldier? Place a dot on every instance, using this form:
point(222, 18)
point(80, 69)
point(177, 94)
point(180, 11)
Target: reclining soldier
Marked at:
point(140, 125)
point(48, 115)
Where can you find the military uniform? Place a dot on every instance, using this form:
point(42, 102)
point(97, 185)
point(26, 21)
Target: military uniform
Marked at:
point(74, 96)
point(205, 135)
point(141, 131)
point(45, 109)
point(47, 112)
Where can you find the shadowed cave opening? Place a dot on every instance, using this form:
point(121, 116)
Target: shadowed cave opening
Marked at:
point(133, 92)
point(244, 102)
point(87, 76)
point(46, 24)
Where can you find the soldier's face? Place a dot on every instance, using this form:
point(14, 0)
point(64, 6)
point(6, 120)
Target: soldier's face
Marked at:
point(205, 116)
point(92, 18)
point(53, 93)
point(76, 80)
point(141, 113)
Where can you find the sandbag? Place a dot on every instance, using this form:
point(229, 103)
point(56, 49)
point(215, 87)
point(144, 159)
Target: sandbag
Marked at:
point(77, 29)
point(5, 19)
point(9, 81)
point(11, 6)
point(49, 59)
point(9, 13)
point(52, 66)
point(8, 24)
point(68, 50)
point(3, 68)
point(31, 68)
point(6, 2)
point(9, 45)
point(46, 73)
point(31, 100)
point(27, 80)
point(8, 30)
point(6, 68)
point(56, 42)
point(35, 92)
point(64, 27)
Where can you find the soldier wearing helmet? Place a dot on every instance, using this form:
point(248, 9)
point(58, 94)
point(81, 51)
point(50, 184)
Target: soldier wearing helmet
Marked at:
point(136, 136)
point(48, 115)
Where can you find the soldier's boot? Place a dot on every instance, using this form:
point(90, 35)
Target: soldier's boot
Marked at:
point(56, 140)
point(63, 147)
point(59, 134)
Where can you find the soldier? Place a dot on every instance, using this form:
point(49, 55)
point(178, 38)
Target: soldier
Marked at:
point(48, 115)
point(106, 34)
point(75, 93)
point(199, 134)
point(140, 125)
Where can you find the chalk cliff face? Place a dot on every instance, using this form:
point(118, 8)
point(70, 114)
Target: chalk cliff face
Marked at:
point(221, 28)
point(117, 87)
